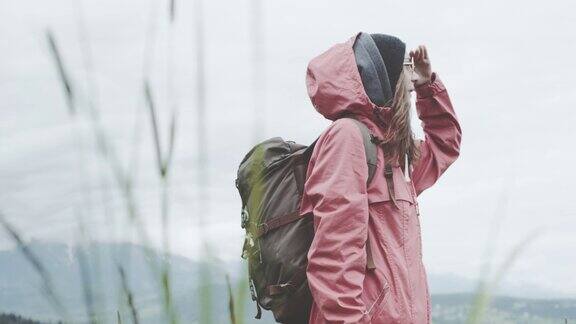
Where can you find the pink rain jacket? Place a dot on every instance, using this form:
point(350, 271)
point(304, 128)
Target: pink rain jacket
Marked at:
point(347, 215)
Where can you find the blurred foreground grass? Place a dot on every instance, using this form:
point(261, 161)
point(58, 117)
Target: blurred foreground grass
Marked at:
point(234, 294)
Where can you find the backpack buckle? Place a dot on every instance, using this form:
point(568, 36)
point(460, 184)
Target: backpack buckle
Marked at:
point(244, 217)
point(252, 289)
point(263, 229)
point(274, 290)
point(375, 139)
point(388, 171)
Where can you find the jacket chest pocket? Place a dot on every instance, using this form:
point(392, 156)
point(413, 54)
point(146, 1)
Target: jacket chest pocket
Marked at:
point(391, 219)
point(378, 189)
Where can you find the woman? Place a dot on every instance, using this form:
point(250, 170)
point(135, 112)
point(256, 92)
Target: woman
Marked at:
point(365, 262)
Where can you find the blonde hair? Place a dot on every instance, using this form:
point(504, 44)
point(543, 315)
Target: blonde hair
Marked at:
point(399, 139)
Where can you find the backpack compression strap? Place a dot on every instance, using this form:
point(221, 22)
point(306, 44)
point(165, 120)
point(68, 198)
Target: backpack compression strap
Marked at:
point(371, 143)
point(370, 148)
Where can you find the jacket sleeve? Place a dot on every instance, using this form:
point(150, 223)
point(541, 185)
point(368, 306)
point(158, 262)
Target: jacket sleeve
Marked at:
point(335, 191)
point(441, 144)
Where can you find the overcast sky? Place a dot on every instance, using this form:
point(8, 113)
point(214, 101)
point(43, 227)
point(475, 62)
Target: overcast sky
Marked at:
point(508, 67)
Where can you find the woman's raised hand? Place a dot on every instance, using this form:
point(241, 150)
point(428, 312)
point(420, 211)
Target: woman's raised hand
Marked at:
point(422, 65)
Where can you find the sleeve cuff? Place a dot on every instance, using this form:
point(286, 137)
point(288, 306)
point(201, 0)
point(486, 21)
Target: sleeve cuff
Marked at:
point(430, 88)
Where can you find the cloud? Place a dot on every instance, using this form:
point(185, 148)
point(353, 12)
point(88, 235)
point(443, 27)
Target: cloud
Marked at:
point(507, 77)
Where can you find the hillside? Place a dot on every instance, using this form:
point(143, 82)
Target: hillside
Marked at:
point(20, 289)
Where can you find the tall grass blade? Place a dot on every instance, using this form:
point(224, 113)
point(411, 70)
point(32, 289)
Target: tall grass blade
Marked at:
point(85, 276)
point(64, 79)
point(201, 106)
point(106, 149)
point(242, 293)
point(258, 72)
point(155, 131)
point(172, 10)
point(162, 170)
point(170, 153)
point(205, 298)
point(168, 303)
point(202, 174)
point(73, 112)
point(230, 301)
point(128, 294)
point(47, 284)
point(87, 292)
point(486, 288)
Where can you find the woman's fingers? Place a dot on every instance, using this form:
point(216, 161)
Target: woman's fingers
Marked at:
point(421, 50)
point(419, 54)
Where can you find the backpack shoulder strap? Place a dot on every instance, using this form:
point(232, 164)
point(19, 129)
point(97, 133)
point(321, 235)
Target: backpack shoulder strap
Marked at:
point(370, 148)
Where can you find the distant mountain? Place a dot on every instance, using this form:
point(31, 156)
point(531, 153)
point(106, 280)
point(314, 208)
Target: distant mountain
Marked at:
point(454, 284)
point(454, 309)
point(20, 288)
point(20, 285)
point(16, 319)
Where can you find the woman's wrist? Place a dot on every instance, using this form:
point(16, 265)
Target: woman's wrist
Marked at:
point(426, 81)
point(428, 89)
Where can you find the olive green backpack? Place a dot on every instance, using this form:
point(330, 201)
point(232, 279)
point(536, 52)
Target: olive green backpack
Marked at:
point(270, 181)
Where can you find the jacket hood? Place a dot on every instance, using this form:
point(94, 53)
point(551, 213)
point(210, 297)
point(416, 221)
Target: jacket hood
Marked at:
point(335, 84)
point(372, 69)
